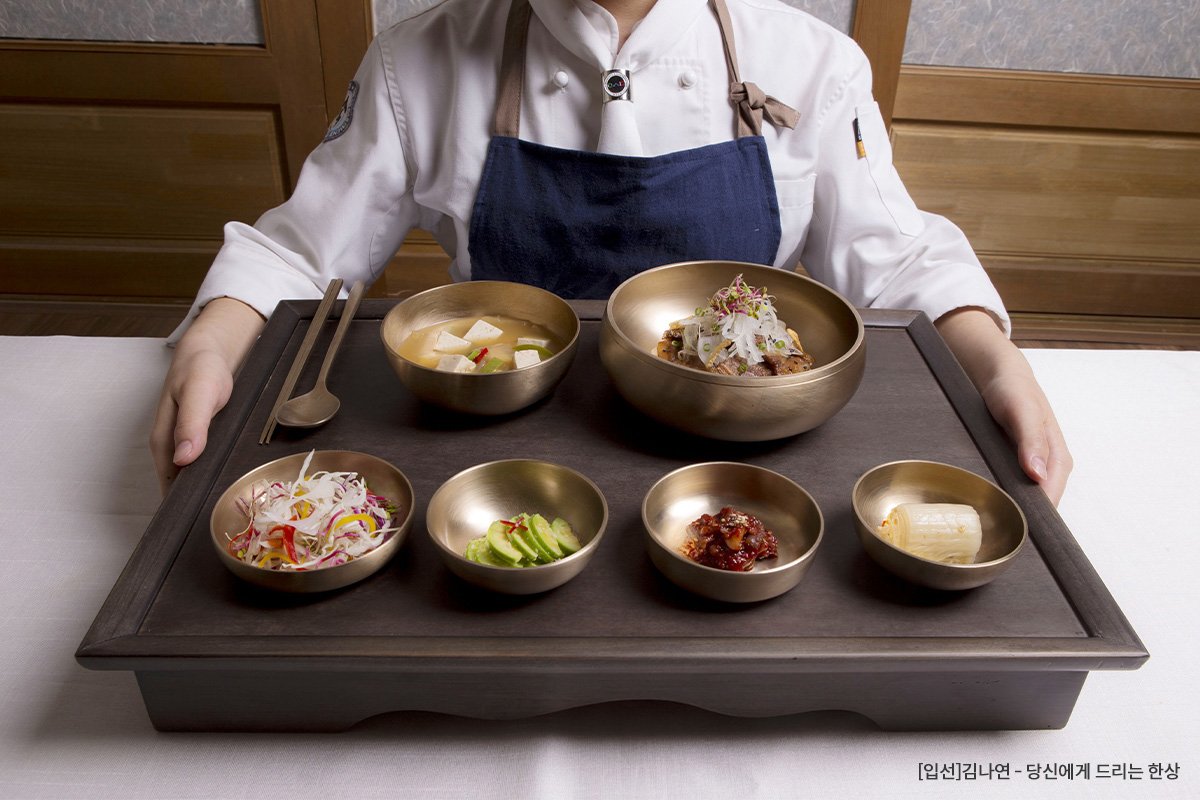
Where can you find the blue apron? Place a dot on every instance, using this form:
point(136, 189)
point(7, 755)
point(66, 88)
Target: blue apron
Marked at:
point(580, 223)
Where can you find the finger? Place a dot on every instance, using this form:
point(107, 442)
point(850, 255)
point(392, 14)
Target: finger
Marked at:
point(1059, 463)
point(198, 402)
point(162, 443)
point(1042, 451)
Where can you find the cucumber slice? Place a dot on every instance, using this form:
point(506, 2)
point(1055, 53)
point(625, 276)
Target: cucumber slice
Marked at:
point(565, 536)
point(483, 554)
point(544, 556)
point(501, 545)
point(521, 540)
point(544, 538)
point(493, 364)
point(471, 552)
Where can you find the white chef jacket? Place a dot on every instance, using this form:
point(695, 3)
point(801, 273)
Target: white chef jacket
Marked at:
point(419, 126)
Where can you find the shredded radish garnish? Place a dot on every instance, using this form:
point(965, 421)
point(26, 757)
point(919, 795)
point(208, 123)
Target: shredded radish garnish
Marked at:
point(739, 320)
point(315, 521)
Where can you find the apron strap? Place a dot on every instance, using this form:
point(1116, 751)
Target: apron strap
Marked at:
point(750, 101)
point(507, 119)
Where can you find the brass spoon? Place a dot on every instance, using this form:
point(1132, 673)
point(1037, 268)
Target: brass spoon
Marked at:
point(318, 406)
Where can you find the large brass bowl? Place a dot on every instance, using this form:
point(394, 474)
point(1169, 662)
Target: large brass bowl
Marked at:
point(465, 505)
point(474, 393)
point(881, 489)
point(783, 506)
point(728, 407)
point(382, 478)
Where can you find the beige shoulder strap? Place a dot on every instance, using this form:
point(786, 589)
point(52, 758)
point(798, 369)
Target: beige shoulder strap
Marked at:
point(750, 101)
point(507, 119)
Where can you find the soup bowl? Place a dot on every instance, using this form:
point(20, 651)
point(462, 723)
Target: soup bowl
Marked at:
point(475, 392)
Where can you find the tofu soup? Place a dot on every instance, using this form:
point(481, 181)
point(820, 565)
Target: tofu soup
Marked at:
point(479, 344)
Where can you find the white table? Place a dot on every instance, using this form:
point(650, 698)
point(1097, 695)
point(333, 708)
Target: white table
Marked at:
point(77, 488)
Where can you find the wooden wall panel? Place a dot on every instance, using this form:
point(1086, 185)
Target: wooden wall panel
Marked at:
point(146, 189)
point(1045, 99)
point(1080, 193)
point(135, 171)
point(1060, 193)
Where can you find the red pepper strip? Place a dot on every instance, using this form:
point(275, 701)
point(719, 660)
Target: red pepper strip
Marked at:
point(483, 351)
point(289, 544)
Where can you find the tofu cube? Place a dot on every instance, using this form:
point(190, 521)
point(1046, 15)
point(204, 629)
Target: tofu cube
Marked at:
point(483, 331)
point(533, 341)
point(447, 342)
point(458, 363)
point(526, 358)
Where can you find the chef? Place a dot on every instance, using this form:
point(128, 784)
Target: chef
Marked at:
point(571, 143)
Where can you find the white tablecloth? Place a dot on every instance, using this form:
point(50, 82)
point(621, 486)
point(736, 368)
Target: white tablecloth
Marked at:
point(77, 488)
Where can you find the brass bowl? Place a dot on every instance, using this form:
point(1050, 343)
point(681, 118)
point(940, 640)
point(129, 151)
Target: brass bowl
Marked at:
point(786, 509)
point(465, 505)
point(881, 489)
point(726, 407)
point(475, 393)
point(382, 478)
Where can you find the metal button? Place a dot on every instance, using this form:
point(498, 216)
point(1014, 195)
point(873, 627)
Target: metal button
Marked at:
point(616, 85)
point(561, 79)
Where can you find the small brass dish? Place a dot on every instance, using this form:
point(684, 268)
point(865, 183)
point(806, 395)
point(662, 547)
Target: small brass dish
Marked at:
point(465, 505)
point(882, 488)
point(786, 509)
point(727, 407)
point(475, 393)
point(382, 478)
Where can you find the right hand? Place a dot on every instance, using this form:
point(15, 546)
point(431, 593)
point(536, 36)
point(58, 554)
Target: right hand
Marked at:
point(199, 383)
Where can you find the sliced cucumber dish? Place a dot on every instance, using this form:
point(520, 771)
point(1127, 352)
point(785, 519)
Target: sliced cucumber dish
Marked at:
point(524, 540)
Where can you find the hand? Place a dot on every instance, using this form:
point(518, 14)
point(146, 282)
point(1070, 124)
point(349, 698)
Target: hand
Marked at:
point(1012, 395)
point(199, 383)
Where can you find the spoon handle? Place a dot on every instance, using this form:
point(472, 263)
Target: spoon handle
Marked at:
point(348, 310)
point(310, 338)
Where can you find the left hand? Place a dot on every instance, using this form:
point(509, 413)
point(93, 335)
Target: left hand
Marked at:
point(1012, 394)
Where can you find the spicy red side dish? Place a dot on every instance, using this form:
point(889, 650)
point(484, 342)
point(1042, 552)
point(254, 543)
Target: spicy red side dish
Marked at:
point(731, 540)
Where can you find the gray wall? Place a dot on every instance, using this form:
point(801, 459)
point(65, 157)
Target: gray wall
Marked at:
point(174, 21)
point(1159, 38)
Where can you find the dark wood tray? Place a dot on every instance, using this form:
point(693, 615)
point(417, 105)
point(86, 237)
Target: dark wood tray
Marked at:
point(1012, 654)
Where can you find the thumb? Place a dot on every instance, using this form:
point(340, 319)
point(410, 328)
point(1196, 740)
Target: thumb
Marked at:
point(199, 401)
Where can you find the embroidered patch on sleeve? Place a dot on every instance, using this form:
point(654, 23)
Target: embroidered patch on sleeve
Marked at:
point(341, 123)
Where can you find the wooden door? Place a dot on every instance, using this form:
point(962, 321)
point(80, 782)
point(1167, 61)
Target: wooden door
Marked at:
point(121, 162)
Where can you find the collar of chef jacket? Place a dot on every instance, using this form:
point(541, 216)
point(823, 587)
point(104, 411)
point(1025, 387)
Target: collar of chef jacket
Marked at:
point(590, 32)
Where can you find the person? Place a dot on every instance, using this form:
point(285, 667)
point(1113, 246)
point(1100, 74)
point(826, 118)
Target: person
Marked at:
point(570, 143)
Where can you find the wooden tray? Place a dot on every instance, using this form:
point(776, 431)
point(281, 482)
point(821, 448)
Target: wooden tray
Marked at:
point(1012, 654)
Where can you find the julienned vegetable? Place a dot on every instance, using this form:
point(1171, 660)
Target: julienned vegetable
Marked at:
point(316, 521)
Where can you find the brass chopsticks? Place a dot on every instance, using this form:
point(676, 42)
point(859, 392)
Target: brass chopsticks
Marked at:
point(306, 346)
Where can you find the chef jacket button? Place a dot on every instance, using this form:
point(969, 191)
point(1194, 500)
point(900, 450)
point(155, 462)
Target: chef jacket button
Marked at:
point(687, 79)
point(561, 79)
